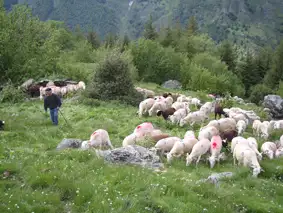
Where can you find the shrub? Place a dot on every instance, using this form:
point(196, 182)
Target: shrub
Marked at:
point(258, 92)
point(11, 94)
point(112, 80)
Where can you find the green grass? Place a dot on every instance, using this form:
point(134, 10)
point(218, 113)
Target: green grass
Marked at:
point(44, 180)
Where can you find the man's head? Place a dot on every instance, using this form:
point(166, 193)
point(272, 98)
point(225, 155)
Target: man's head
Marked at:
point(48, 91)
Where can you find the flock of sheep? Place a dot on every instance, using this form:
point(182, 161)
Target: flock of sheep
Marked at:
point(61, 91)
point(211, 138)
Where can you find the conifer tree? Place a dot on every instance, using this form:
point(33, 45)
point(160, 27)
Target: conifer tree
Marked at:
point(192, 26)
point(228, 55)
point(149, 30)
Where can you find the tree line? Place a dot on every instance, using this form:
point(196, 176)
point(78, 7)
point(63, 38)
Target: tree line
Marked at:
point(30, 48)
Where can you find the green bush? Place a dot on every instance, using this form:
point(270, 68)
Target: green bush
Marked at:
point(11, 94)
point(258, 92)
point(112, 80)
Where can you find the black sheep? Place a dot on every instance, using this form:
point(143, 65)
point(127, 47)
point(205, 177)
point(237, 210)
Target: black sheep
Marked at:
point(166, 113)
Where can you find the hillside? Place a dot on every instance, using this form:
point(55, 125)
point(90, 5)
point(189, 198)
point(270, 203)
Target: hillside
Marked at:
point(41, 179)
point(245, 22)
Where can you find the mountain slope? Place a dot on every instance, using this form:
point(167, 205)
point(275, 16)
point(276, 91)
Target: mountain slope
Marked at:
point(242, 21)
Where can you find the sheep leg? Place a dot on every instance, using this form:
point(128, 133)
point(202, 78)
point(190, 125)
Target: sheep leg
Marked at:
point(198, 160)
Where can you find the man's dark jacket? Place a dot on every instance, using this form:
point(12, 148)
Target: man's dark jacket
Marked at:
point(52, 102)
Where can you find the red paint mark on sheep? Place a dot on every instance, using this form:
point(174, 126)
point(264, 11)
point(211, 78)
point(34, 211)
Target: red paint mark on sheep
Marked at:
point(214, 145)
point(138, 127)
point(93, 133)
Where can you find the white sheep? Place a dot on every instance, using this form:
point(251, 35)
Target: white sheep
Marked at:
point(208, 132)
point(166, 144)
point(223, 124)
point(263, 129)
point(183, 98)
point(249, 142)
point(268, 149)
point(81, 85)
point(178, 115)
point(145, 106)
point(168, 101)
point(180, 105)
point(181, 148)
point(194, 117)
point(256, 125)
point(280, 143)
point(279, 152)
point(100, 138)
point(239, 116)
point(85, 145)
point(207, 108)
point(215, 149)
point(158, 105)
point(189, 134)
point(199, 149)
point(195, 102)
point(241, 127)
point(247, 157)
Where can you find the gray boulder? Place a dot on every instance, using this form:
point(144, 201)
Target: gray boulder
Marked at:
point(132, 154)
point(275, 104)
point(172, 84)
point(69, 143)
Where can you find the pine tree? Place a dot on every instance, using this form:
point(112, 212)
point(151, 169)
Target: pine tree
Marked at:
point(125, 43)
point(263, 62)
point(110, 40)
point(168, 37)
point(228, 55)
point(192, 26)
point(93, 39)
point(276, 72)
point(149, 31)
point(248, 73)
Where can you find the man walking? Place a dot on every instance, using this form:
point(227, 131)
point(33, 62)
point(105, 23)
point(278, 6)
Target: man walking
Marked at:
point(53, 102)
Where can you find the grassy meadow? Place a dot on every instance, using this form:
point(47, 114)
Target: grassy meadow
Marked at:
point(42, 179)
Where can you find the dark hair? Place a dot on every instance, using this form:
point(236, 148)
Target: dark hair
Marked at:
point(48, 89)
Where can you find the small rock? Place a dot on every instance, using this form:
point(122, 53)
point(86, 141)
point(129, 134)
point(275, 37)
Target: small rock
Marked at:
point(69, 143)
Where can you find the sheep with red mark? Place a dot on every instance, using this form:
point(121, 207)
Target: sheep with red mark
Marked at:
point(200, 148)
point(178, 115)
point(165, 114)
point(100, 138)
point(215, 149)
point(143, 129)
point(166, 144)
point(145, 106)
point(268, 149)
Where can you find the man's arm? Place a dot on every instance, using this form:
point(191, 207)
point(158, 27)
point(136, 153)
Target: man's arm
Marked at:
point(59, 102)
point(45, 104)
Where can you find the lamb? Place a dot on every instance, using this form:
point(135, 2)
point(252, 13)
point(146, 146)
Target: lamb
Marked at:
point(241, 127)
point(166, 144)
point(159, 105)
point(247, 157)
point(100, 138)
point(199, 149)
point(145, 106)
point(263, 129)
point(256, 125)
point(168, 101)
point(268, 149)
point(181, 148)
point(208, 132)
point(215, 149)
point(178, 115)
point(166, 113)
point(193, 117)
point(218, 110)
